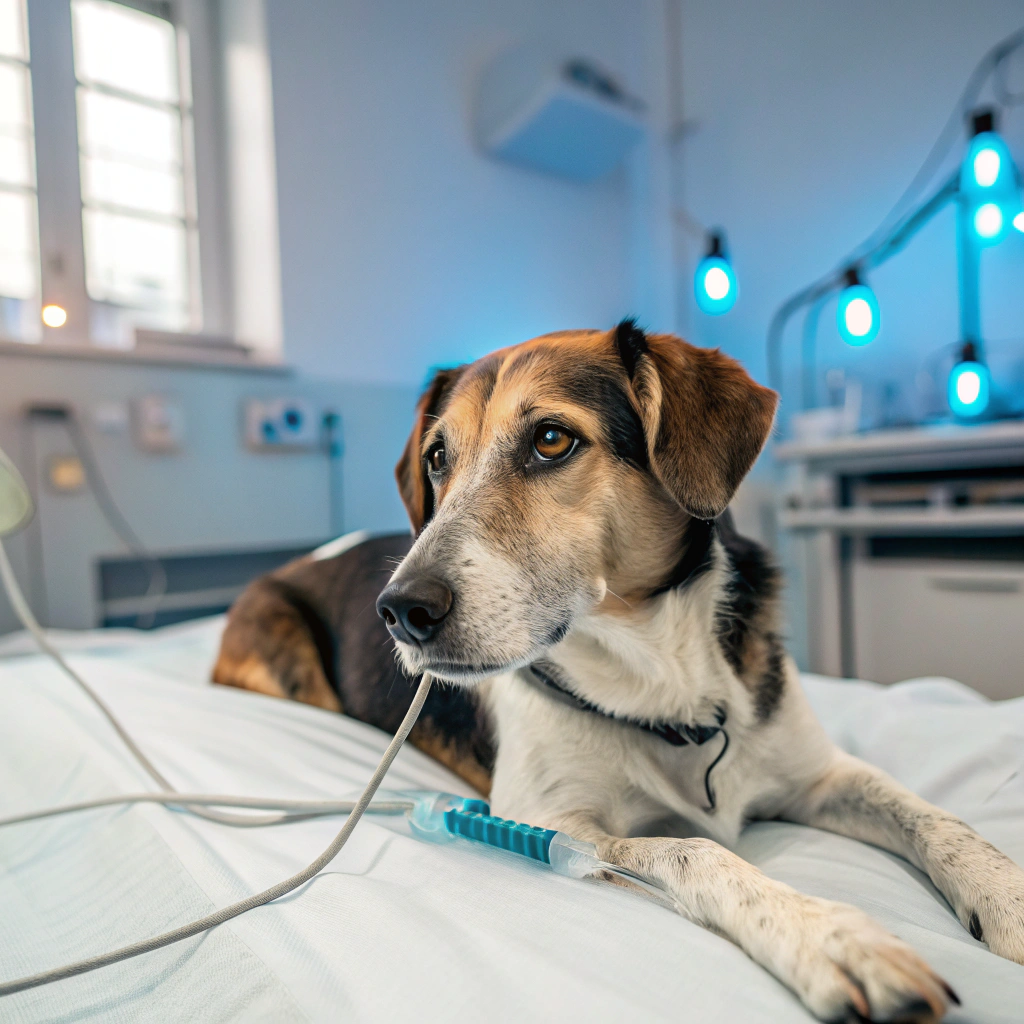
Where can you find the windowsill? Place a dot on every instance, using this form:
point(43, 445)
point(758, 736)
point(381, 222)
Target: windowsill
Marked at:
point(166, 355)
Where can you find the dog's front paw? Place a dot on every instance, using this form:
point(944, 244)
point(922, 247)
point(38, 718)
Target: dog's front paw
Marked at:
point(849, 968)
point(993, 912)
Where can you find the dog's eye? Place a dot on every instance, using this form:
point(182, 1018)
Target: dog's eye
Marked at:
point(551, 442)
point(437, 458)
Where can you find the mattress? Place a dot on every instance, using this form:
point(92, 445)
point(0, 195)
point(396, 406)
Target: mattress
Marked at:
point(396, 929)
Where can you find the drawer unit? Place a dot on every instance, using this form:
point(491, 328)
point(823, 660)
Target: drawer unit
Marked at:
point(957, 618)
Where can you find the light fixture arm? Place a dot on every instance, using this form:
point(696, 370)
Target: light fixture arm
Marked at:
point(835, 281)
point(968, 276)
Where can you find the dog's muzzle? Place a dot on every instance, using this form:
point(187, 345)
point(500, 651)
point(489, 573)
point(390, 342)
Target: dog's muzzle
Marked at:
point(415, 609)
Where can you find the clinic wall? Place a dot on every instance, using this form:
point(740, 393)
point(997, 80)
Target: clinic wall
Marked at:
point(213, 494)
point(806, 121)
point(403, 246)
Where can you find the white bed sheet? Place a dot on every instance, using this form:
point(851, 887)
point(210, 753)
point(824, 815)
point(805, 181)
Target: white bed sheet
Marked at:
point(397, 929)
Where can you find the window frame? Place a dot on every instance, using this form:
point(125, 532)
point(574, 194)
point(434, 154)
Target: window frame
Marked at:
point(58, 176)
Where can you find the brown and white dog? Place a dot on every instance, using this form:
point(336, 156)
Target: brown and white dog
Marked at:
point(615, 653)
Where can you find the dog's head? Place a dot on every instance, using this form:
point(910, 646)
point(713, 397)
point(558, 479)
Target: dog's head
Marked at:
point(555, 475)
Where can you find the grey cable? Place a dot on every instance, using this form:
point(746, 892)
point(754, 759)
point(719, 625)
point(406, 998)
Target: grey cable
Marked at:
point(303, 809)
point(28, 620)
point(250, 902)
point(118, 522)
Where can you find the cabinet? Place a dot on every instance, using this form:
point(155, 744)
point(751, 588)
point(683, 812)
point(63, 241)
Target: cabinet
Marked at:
point(911, 553)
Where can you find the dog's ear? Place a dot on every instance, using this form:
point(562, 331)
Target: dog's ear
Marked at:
point(705, 419)
point(411, 471)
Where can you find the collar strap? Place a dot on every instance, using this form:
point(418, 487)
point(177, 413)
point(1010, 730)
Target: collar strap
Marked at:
point(678, 734)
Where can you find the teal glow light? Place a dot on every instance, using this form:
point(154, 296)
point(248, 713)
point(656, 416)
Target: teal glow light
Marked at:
point(714, 283)
point(857, 317)
point(989, 223)
point(987, 173)
point(989, 182)
point(1018, 221)
point(969, 385)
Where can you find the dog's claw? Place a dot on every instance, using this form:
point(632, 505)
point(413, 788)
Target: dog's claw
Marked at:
point(856, 971)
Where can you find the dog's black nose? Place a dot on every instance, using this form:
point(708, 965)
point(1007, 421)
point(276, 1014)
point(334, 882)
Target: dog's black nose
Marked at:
point(414, 609)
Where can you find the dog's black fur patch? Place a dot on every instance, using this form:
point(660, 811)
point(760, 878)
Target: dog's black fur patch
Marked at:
point(744, 617)
point(599, 390)
point(631, 342)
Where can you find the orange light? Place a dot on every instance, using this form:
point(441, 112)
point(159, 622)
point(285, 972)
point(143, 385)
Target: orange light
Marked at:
point(55, 316)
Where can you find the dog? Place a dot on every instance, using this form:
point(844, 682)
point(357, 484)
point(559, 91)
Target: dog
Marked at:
point(615, 655)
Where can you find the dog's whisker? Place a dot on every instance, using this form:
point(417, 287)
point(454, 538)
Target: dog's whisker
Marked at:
point(622, 599)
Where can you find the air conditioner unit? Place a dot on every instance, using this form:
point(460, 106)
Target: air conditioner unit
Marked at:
point(562, 115)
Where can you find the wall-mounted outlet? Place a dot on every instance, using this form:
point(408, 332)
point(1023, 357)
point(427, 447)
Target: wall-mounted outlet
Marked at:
point(280, 424)
point(159, 423)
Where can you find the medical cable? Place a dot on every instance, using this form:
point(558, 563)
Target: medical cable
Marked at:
point(117, 520)
point(29, 621)
point(250, 902)
point(433, 816)
point(303, 809)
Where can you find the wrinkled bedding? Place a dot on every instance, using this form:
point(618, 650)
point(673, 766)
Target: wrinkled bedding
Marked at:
point(396, 929)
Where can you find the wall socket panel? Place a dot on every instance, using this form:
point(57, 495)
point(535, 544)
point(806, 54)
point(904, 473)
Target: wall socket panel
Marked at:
point(159, 424)
point(281, 425)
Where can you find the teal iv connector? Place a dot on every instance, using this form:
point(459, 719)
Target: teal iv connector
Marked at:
point(443, 817)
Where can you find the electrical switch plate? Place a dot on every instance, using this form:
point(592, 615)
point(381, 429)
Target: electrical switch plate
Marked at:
point(159, 423)
point(280, 424)
point(110, 417)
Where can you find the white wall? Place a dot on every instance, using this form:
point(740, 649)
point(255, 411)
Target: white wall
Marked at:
point(810, 119)
point(213, 495)
point(402, 246)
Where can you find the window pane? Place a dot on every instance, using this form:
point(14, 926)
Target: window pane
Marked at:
point(127, 185)
point(19, 267)
point(15, 108)
point(19, 223)
point(117, 128)
point(135, 218)
point(138, 263)
point(125, 49)
point(15, 162)
point(12, 29)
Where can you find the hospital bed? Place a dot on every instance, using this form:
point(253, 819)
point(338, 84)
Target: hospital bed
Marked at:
point(395, 928)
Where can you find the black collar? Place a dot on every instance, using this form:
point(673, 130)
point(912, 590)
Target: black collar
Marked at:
point(543, 676)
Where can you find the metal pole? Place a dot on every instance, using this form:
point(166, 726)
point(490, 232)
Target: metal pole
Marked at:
point(969, 275)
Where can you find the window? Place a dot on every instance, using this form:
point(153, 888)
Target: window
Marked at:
point(138, 220)
point(129, 199)
point(19, 231)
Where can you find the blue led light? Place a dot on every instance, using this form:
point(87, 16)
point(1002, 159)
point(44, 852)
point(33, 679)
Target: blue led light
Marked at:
point(990, 223)
point(714, 285)
point(987, 172)
point(858, 317)
point(969, 388)
point(1018, 221)
point(989, 184)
